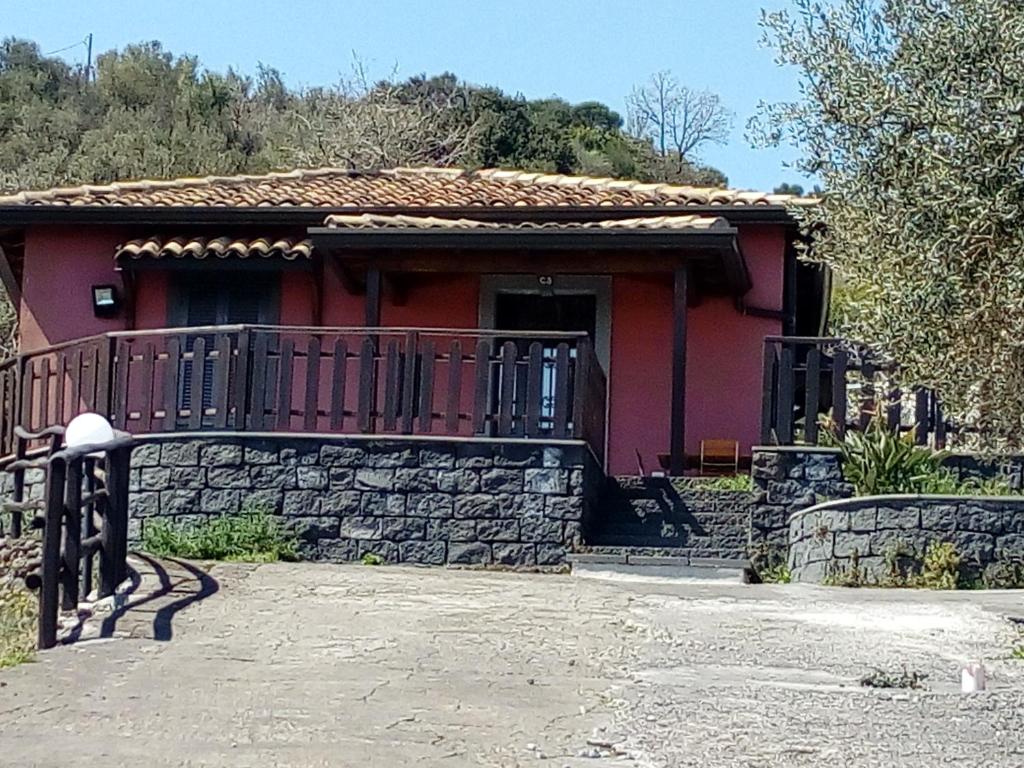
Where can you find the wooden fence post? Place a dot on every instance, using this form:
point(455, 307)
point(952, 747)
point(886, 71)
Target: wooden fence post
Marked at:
point(49, 591)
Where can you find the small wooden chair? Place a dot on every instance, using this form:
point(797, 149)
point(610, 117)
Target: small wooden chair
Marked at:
point(719, 457)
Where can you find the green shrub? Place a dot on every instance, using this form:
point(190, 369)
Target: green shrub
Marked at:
point(940, 568)
point(254, 535)
point(769, 564)
point(720, 483)
point(371, 558)
point(877, 461)
point(18, 619)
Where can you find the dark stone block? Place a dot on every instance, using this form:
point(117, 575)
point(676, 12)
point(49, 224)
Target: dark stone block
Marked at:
point(404, 528)
point(360, 527)
point(534, 529)
point(181, 454)
point(564, 508)
point(386, 550)
point(939, 517)
point(375, 479)
point(341, 477)
point(304, 455)
point(572, 534)
point(221, 455)
point(518, 455)
point(378, 503)
point(501, 481)
point(475, 553)
point(147, 455)
point(342, 456)
point(451, 530)
point(260, 454)
point(268, 500)
point(550, 554)
point(314, 528)
point(474, 455)
point(154, 479)
point(547, 481)
point(179, 502)
point(337, 550)
point(905, 518)
point(422, 552)
point(336, 502)
point(1010, 547)
point(311, 477)
point(847, 543)
point(414, 479)
point(145, 504)
point(228, 477)
point(298, 503)
point(497, 530)
point(553, 456)
point(220, 501)
point(522, 504)
point(476, 505)
point(515, 554)
point(766, 465)
point(273, 476)
point(890, 542)
point(974, 547)
point(437, 458)
point(429, 505)
point(387, 455)
point(458, 481)
point(187, 477)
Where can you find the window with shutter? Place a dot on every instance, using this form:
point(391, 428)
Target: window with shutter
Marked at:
point(218, 299)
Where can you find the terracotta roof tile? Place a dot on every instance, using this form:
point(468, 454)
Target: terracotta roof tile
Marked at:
point(214, 248)
point(399, 187)
point(398, 221)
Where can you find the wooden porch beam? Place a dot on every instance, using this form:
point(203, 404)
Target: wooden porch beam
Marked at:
point(677, 447)
point(373, 291)
point(9, 281)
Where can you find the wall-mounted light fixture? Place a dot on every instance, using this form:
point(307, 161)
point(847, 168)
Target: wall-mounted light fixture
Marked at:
point(105, 301)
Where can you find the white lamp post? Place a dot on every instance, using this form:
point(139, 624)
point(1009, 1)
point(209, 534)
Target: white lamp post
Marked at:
point(88, 429)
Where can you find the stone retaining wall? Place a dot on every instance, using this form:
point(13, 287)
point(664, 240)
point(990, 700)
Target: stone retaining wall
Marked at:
point(791, 479)
point(828, 537)
point(406, 500)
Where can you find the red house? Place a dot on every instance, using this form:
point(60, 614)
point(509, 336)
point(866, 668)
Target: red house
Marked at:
point(480, 305)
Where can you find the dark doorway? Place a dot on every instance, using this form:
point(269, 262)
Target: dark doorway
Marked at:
point(538, 312)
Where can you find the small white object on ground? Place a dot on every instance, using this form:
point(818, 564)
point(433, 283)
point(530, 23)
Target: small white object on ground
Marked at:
point(972, 677)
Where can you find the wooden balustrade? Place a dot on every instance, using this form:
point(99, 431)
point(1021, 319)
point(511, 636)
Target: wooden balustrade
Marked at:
point(805, 378)
point(401, 381)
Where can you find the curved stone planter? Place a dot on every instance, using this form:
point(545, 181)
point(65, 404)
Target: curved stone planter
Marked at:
point(826, 537)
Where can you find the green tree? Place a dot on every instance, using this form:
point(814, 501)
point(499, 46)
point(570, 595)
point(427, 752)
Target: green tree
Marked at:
point(912, 114)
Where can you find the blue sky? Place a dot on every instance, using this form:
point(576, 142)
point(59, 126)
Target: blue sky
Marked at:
point(579, 50)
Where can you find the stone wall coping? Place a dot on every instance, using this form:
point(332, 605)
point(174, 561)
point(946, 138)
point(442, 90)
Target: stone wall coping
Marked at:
point(822, 449)
point(859, 502)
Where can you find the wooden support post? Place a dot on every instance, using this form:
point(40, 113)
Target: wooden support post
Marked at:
point(368, 387)
point(677, 447)
point(49, 591)
point(373, 291)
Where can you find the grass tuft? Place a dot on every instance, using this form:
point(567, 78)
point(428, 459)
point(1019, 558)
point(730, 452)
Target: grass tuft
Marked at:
point(18, 618)
point(253, 536)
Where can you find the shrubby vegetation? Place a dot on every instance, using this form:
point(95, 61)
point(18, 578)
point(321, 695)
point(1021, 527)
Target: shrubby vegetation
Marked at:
point(877, 461)
point(149, 113)
point(254, 535)
point(18, 612)
point(910, 114)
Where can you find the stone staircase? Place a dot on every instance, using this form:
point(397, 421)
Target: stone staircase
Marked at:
point(669, 522)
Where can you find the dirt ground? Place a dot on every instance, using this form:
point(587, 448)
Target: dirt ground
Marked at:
point(318, 665)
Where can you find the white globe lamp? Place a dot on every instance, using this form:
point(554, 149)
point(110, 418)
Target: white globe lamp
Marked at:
point(88, 429)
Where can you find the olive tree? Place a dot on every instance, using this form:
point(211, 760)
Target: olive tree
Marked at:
point(911, 112)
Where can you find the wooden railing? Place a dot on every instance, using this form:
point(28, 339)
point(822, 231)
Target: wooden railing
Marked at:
point(332, 380)
point(805, 378)
point(83, 515)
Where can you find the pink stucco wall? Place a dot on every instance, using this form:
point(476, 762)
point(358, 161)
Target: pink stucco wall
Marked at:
point(724, 346)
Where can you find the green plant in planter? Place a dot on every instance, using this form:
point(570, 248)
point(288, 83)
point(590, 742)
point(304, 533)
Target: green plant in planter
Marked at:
point(878, 461)
point(940, 568)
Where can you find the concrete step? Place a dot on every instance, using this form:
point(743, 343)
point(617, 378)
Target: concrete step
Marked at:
point(628, 562)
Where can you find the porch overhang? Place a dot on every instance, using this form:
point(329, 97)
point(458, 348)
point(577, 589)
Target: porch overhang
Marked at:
point(712, 251)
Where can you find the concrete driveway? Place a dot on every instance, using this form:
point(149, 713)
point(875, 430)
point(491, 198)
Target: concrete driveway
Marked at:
point(318, 665)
